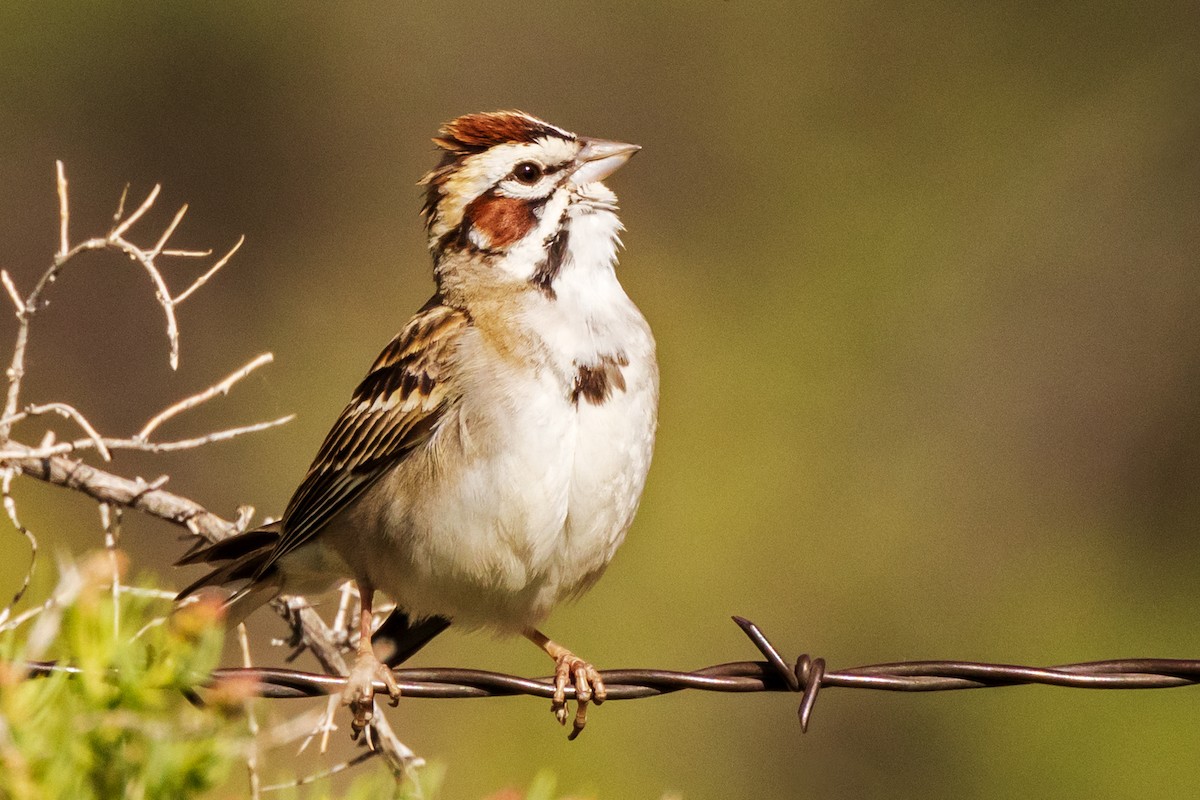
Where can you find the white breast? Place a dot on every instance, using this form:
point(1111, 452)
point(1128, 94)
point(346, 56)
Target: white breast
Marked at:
point(526, 493)
point(614, 438)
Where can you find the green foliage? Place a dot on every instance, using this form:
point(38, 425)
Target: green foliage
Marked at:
point(122, 725)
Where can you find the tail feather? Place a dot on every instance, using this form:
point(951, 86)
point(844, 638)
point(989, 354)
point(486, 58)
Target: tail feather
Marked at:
point(203, 552)
point(248, 598)
point(400, 636)
point(239, 558)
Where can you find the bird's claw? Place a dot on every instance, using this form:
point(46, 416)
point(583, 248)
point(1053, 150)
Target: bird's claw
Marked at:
point(359, 693)
point(570, 670)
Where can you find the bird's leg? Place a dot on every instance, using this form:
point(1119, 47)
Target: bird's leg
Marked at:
point(359, 693)
point(570, 668)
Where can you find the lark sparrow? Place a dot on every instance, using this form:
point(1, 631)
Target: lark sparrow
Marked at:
point(491, 462)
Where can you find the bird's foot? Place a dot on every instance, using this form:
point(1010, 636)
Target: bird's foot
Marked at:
point(570, 669)
point(359, 693)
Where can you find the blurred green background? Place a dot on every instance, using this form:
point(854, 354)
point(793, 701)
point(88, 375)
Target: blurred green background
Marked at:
point(926, 284)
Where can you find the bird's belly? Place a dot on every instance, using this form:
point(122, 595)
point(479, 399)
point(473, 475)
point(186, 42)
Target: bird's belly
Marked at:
point(514, 523)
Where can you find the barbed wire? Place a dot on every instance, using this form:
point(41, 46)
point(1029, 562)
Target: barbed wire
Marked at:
point(806, 676)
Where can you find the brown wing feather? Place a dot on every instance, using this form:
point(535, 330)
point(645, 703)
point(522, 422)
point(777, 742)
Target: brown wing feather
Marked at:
point(393, 410)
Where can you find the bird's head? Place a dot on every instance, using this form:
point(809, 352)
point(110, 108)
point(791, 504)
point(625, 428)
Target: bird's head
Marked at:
point(514, 189)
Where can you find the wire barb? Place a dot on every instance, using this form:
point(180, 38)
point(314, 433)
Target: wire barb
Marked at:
point(807, 677)
point(804, 677)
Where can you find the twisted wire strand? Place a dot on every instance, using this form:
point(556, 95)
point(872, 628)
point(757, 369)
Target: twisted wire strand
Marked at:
point(807, 676)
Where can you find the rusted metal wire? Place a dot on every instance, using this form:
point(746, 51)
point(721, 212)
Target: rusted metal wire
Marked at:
point(807, 676)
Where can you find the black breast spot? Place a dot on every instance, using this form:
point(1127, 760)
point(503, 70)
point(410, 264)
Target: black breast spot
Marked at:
point(595, 383)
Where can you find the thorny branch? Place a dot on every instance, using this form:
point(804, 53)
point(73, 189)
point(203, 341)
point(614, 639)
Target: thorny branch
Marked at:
point(51, 460)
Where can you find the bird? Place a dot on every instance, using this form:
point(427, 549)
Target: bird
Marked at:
point(492, 460)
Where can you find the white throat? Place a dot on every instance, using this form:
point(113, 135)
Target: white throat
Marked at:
point(595, 235)
point(588, 315)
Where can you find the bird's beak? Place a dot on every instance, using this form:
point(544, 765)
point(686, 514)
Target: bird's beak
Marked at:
point(600, 158)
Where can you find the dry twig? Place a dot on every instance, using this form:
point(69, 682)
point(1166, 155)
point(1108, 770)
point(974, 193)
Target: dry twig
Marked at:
point(222, 387)
point(50, 461)
point(251, 720)
point(10, 508)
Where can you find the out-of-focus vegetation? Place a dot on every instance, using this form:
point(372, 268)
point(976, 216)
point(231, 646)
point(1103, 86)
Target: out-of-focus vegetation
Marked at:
point(925, 283)
point(121, 725)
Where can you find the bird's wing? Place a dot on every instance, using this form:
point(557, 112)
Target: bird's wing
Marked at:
point(393, 411)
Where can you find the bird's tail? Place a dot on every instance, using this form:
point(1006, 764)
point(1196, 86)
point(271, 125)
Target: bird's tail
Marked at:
point(239, 558)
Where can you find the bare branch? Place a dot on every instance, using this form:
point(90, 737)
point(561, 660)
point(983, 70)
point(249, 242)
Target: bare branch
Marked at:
point(16, 450)
point(166, 234)
point(27, 307)
point(203, 279)
point(70, 412)
point(46, 624)
point(119, 231)
point(292, 729)
point(326, 725)
point(157, 595)
point(320, 640)
point(187, 254)
point(312, 631)
point(12, 292)
point(121, 204)
point(105, 487)
point(26, 615)
point(10, 508)
point(251, 720)
point(161, 293)
point(64, 214)
point(110, 520)
point(221, 387)
point(198, 441)
point(326, 773)
point(50, 463)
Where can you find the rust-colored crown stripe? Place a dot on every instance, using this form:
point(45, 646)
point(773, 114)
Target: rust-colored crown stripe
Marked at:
point(474, 133)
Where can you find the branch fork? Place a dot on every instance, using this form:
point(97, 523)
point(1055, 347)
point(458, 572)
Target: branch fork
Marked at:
point(53, 459)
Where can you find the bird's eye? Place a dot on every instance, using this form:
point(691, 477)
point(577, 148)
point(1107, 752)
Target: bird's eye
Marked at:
point(528, 173)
